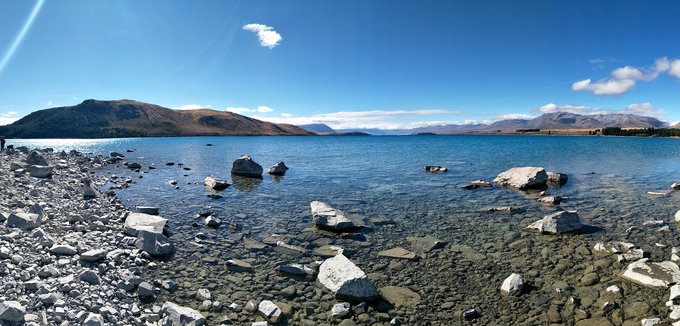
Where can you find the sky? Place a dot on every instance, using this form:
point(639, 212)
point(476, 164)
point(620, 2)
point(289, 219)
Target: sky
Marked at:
point(349, 64)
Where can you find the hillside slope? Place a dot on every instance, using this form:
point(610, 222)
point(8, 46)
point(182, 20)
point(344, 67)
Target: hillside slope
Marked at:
point(125, 118)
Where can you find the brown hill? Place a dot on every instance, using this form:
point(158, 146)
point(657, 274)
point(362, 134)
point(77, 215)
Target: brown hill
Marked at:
point(126, 118)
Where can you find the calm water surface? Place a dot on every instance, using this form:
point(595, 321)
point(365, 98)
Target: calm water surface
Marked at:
point(382, 178)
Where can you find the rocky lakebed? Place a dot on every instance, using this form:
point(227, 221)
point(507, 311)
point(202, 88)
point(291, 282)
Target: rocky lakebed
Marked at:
point(79, 247)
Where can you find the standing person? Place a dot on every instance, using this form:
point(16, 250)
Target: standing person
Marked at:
point(2, 144)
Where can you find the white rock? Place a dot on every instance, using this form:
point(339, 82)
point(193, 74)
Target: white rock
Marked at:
point(328, 218)
point(652, 274)
point(513, 284)
point(136, 222)
point(215, 183)
point(269, 310)
point(65, 250)
point(203, 294)
point(94, 320)
point(675, 292)
point(93, 255)
point(347, 281)
point(650, 321)
point(613, 289)
point(522, 178)
point(341, 310)
point(176, 315)
point(558, 223)
point(675, 312)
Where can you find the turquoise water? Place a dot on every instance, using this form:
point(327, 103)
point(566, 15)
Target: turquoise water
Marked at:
point(382, 178)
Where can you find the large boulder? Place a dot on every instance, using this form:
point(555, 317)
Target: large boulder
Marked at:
point(136, 222)
point(24, 221)
point(347, 281)
point(156, 244)
point(35, 158)
point(329, 218)
point(12, 311)
point(215, 183)
point(40, 171)
point(176, 315)
point(246, 167)
point(558, 223)
point(278, 169)
point(652, 274)
point(522, 178)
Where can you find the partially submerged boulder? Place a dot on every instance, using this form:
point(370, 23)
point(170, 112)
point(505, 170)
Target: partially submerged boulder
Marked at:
point(246, 167)
point(522, 178)
point(156, 244)
point(329, 218)
point(435, 168)
point(278, 169)
point(557, 178)
point(652, 274)
point(558, 223)
point(345, 280)
point(215, 183)
point(136, 222)
point(176, 315)
point(476, 184)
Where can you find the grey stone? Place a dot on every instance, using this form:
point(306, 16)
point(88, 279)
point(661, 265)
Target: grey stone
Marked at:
point(522, 178)
point(345, 280)
point(513, 284)
point(269, 310)
point(246, 167)
point(328, 218)
point(156, 244)
point(558, 223)
point(136, 222)
point(12, 311)
point(215, 183)
point(176, 315)
point(24, 221)
point(93, 319)
point(278, 169)
point(89, 276)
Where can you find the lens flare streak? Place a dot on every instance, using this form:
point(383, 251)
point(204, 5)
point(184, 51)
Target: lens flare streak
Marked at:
point(21, 35)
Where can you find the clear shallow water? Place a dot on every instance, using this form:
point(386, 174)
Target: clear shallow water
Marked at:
point(383, 178)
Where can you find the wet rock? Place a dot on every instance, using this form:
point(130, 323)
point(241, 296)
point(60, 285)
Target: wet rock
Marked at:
point(597, 321)
point(269, 310)
point(328, 251)
point(294, 269)
point(503, 209)
point(400, 296)
point(557, 178)
point(435, 168)
point(238, 265)
point(215, 183)
point(328, 218)
point(246, 167)
point(426, 244)
point(558, 223)
point(290, 249)
point(398, 252)
point(513, 284)
point(522, 178)
point(652, 274)
point(278, 169)
point(134, 166)
point(147, 210)
point(212, 221)
point(345, 280)
point(203, 294)
point(12, 311)
point(650, 321)
point(550, 200)
point(176, 315)
point(136, 222)
point(476, 184)
point(156, 244)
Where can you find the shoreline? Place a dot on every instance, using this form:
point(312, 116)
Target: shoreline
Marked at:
point(65, 254)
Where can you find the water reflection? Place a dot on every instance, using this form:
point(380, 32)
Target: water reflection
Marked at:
point(245, 184)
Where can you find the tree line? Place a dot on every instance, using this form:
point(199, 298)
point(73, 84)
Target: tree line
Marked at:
point(644, 132)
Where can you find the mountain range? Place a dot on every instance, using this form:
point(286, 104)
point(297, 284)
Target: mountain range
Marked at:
point(554, 121)
point(127, 118)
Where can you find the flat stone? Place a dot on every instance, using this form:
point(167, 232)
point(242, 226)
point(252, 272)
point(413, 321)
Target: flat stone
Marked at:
point(426, 244)
point(398, 252)
point(328, 251)
point(652, 274)
point(147, 210)
point(328, 218)
point(136, 222)
point(522, 178)
point(93, 255)
point(215, 183)
point(24, 221)
point(400, 296)
point(238, 265)
point(65, 250)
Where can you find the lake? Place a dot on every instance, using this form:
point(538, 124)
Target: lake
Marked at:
point(382, 180)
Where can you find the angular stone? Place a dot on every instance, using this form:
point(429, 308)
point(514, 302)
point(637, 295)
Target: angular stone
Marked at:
point(558, 223)
point(400, 296)
point(269, 310)
point(329, 218)
point(24, 221)
point(652, 274)
point(176, 315)
point(513, 284)
point(476, 184)
point(246, 167)
point(347, 281)
point(89, 276)
point(136, 222)
point(12, 311)
point(40, 171)
point(93, 319)
point(156, 244)
point(215, 183)
point(398, 252)
point(341, 310)
point(522, 178)
point(278, 169)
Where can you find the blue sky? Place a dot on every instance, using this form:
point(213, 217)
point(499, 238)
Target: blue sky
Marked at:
point(350, 64)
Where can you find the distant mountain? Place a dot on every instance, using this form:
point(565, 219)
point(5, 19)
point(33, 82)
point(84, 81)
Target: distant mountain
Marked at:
point(317, 127)
point(557, 120)
point(125, 118)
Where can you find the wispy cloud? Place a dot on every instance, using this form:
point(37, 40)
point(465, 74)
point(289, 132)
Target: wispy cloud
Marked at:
point(625, 78)
point(509, 116)
point(191, 107)
point(243, 110)
point(268, 37)
point(382, 119)
point(8, 117)
point(644, 109)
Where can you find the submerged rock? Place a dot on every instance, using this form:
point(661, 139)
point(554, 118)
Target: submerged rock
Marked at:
point(558, 223)
point(522, 178)
point(215, 183)
point(550, 200)
point(426, 244)
point(652, 274)
point(147, 210)
point(278, 169)
point(435, 168)
point(476, 184)
point(329, 218)
point(345, 280)
point(557, 178)
point(398, 252)
point(246, 167)
point(400, 296)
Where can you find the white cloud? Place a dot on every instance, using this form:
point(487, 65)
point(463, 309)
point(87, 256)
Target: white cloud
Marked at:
point(625, 78)
point(382, 119)
point(49, 103)
point(515, 116)
point(266, 34)
point(191, 107)
point(644, 109)
point(8, 118)
point(286, 115)
point(675, 68)
point(239, 110)
point(264, 109)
